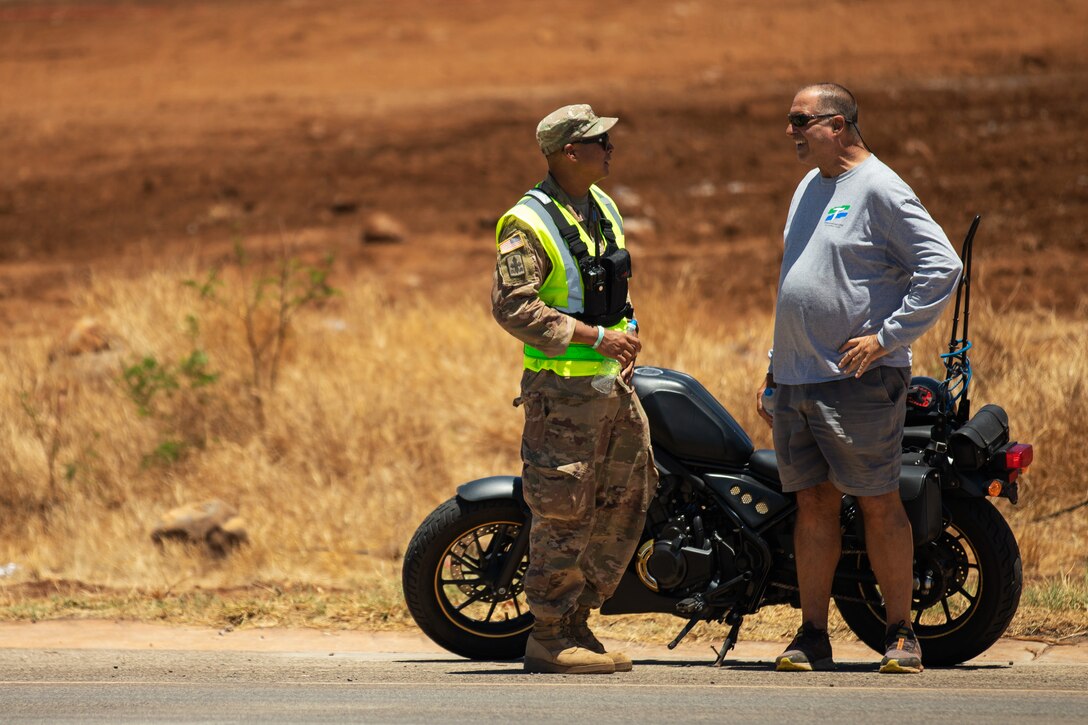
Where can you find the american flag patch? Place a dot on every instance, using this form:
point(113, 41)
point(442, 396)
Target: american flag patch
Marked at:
point(511, 244)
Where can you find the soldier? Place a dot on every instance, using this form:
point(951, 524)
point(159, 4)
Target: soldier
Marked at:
point(560, 287)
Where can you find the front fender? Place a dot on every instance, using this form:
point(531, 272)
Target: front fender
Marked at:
point(492, 487)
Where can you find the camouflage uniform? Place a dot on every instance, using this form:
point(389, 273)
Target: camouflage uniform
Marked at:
point(588, 472)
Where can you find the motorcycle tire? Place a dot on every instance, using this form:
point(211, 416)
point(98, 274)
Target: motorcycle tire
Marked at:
point(448, 579)
point(976, 578)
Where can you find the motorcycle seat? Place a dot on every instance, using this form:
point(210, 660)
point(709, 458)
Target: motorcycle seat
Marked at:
point(917, 436)
point(764, 463)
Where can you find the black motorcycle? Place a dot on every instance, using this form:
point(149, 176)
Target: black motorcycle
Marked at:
point(718, 540)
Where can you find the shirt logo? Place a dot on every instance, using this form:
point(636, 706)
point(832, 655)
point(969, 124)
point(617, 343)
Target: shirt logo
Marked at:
point(837, 213)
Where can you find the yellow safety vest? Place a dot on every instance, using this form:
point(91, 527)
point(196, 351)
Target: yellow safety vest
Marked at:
point(563, 287)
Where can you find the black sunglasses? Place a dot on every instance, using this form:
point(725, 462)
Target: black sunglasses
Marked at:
point(602, 140)
point(801, 120)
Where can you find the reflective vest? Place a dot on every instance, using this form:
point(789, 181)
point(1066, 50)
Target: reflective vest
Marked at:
point(563, 287)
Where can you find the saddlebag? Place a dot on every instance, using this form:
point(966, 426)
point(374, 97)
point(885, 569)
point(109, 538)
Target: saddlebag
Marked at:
point(977, 441)
point(920, 491)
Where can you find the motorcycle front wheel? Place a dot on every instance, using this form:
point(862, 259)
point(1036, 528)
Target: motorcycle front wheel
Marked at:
point(449, 579)
point(967, 587)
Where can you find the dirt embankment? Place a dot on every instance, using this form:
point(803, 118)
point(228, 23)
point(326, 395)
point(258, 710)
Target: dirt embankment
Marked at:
point(134, 133)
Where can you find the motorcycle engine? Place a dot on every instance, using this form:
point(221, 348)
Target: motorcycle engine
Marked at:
point(679, 559)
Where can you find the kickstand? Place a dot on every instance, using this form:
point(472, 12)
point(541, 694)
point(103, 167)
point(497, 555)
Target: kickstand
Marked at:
point(684, 632)
point(730, 639)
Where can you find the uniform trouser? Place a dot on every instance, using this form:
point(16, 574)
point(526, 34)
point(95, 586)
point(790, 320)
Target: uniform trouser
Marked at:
point(588, 478)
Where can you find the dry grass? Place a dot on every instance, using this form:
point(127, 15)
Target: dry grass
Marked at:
point(381, 407)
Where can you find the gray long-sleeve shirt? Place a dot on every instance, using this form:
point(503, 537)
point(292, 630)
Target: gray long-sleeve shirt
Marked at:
point(862, 256)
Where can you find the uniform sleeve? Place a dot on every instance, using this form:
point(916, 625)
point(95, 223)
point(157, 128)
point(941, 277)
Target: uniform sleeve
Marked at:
point(520, 270)
point(919, 246)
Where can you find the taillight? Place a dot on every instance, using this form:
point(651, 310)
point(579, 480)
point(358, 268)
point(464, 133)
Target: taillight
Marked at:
point(1019, 456)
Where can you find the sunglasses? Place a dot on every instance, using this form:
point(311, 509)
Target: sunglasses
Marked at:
point(602, 140)
point(801, 120)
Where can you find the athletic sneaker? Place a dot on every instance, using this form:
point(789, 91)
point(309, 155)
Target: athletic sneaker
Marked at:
point(902, 653)
point(810, 650)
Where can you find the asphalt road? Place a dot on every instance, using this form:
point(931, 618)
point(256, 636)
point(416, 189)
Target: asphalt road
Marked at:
point(128, 685)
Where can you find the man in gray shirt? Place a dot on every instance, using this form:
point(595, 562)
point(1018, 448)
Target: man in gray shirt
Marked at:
point(865, 272)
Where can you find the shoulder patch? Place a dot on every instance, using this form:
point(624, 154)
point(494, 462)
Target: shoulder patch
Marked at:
point(516, 268)
point(515, 265)
point(511, 243)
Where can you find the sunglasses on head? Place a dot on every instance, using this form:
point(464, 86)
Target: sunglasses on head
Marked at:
point(801, 120)
point(602, 140)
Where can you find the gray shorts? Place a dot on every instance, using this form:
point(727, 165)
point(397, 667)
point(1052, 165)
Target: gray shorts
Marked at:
point(849, 432)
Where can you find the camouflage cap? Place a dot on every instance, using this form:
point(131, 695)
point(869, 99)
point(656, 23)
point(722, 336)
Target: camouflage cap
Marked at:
point(570, 123)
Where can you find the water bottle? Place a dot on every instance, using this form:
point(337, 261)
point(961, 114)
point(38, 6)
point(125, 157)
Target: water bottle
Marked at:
point(768, 400)
point(605, 378)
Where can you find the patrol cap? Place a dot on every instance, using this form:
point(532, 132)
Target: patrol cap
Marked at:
point(570, 123)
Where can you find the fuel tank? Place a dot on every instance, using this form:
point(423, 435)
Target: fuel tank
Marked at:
point(687, 421)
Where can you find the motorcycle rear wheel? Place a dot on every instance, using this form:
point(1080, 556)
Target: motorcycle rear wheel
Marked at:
point(449, 575)
point(976, 576)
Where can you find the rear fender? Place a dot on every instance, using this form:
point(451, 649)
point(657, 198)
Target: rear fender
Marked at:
point(967, 485)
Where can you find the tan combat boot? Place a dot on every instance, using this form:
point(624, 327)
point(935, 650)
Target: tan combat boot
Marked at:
point(579, 631)
point(550, 650)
